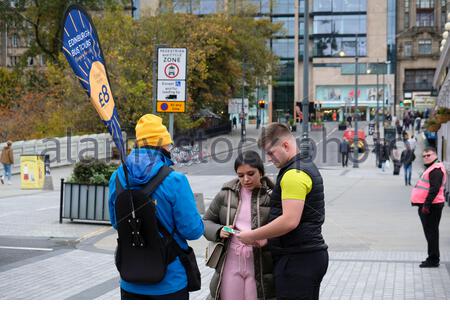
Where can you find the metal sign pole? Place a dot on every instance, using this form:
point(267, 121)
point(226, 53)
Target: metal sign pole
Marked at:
point(171, 121)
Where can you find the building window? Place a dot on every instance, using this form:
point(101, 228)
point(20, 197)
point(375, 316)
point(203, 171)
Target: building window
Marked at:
point(340, 5)
point(407, 49)
point(406, 15)
point(425, 4)
point(424, 13)
point(425, 47)
point(332, 46)
point(425, 19)
point(286, 71)
point(342, 24)
point(283, 7)
point(283, 48)
point(419, 79)
point(198, 6)
point(13, 60)
point(15, 41)
point(288, 26)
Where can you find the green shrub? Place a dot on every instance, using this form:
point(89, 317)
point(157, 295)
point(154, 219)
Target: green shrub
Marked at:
point(92, 171)
point(443, 110)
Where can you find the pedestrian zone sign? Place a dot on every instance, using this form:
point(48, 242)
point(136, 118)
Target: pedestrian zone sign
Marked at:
point(171, 84)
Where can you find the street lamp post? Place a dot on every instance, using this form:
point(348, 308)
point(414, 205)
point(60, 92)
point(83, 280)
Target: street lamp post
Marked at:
point(377, 117)
point(242, 106)
point(355, 137)
point(305, 136)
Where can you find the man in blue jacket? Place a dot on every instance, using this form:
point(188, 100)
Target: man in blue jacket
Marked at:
point(175, 206)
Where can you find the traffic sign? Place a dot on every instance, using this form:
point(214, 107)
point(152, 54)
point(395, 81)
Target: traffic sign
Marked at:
point(235, 105)
point(171, 90)
point(172, 63)
point(170, 106)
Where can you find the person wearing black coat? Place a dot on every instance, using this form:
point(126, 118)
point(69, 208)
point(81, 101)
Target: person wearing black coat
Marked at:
point(344, 149)
point(407, 159)
point(384, 156)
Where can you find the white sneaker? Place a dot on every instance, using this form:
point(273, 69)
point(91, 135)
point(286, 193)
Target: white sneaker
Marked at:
point(9, 182)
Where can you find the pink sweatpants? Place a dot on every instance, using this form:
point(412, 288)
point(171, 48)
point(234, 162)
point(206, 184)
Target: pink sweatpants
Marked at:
point(238, 279)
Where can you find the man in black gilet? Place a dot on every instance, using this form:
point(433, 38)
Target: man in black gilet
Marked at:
point(297, 214)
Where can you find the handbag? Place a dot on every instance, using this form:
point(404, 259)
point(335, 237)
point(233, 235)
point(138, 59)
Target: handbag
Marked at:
point(189, 262)
point(215, 249)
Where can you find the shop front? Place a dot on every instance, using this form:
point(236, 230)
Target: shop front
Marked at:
point(337, 102)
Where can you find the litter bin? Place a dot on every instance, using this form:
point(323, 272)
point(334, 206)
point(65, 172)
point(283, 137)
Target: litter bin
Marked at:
point(389, 135)
point(371, 128)
point(32, 171)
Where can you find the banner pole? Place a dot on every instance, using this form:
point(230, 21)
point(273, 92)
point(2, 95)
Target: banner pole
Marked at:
point(155, 65)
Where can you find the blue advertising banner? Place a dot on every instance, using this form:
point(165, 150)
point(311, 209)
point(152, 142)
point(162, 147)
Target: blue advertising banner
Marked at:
point(81, 47)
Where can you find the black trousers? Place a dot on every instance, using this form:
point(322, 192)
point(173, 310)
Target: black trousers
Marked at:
point(344, 157)
point(298, 276)
point(179, 295)
point(430, 224)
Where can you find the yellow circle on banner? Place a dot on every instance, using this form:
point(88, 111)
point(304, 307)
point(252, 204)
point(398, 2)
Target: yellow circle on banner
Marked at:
point(101, 95)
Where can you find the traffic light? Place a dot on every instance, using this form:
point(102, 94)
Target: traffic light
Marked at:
point(401, 104)
point(262, 104)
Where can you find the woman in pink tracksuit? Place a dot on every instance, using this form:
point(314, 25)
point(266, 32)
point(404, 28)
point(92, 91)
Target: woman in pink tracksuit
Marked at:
point(243, 272)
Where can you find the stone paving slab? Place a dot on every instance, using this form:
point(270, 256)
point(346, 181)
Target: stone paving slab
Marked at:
point(58, 277)
point(81, 274)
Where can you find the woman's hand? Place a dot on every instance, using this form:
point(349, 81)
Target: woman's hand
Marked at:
point(260, 243)
point(224, 234)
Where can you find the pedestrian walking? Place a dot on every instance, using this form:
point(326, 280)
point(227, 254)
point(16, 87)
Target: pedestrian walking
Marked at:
point(407, 158)
point(418, 124)
point(344, 150)
point(396, 156)
point(297, 213)
point(244, 272)
point(234, 122)
point(428, 196)
point(399, 128)
point(406, 120)
point(7, 160)
point(156, 227)
point(412, 142)
point(384, 156)
point(349, 121)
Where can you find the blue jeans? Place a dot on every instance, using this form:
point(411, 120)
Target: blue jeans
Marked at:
point(408, 173)
point(7, 169)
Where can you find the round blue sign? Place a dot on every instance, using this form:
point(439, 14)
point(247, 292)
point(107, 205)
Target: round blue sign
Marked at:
point(164, 106)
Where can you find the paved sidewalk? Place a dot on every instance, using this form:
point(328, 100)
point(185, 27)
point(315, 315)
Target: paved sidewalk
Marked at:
point(375, 243)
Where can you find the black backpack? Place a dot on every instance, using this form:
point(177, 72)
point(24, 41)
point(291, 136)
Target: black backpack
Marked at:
point(142, 255)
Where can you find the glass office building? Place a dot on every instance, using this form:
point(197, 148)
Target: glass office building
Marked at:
point(337, 28)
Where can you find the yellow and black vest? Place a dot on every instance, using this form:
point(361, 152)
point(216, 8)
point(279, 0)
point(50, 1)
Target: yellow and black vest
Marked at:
point(307, 236)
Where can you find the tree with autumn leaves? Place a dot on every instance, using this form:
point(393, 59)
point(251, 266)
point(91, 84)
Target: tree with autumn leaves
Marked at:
point(49, 101)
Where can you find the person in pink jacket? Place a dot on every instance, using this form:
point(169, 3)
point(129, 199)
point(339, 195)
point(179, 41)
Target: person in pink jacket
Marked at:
point(428, 195)
point(244, 272)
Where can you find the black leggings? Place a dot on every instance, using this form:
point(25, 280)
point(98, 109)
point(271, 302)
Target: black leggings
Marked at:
point(298, 276)
point(179, 295)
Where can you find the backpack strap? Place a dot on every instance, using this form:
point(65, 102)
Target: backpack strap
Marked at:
point(151, 186)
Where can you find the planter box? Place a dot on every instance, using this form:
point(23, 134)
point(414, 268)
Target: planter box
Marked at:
point(442, 118)
point(342, 127)
point(433, 127)
point(84, 202)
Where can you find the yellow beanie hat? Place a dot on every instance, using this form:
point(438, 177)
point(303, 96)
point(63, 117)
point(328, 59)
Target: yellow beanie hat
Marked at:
point(151, 132)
